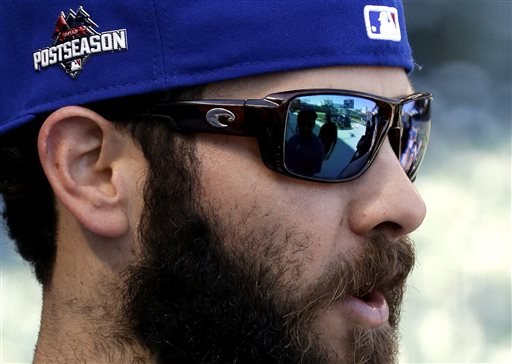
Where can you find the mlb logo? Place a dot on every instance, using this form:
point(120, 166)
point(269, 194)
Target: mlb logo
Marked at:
point(76, 65)
point(382, 23)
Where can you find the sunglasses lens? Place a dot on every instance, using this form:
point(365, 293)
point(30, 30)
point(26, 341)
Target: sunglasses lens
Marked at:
point(330, 137)
point(416, 122)
point(333, 137)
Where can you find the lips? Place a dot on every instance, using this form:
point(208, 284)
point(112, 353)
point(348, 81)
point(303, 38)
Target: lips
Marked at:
point(369, 311)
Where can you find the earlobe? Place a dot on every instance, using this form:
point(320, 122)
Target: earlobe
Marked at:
point(81, 154)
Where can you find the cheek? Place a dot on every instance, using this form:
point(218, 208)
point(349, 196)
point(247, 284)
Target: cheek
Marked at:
point(304, 221)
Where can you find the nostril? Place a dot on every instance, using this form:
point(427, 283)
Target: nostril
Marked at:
point(390, 228)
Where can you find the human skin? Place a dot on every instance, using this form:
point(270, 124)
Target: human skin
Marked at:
point(97, 174)
point(332, 218)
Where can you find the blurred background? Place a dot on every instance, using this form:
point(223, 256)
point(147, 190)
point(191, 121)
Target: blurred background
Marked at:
point(458, 306)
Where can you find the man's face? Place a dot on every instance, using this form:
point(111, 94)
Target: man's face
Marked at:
point(255, 266)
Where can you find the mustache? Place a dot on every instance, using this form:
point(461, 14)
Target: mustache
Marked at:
point(380, 264)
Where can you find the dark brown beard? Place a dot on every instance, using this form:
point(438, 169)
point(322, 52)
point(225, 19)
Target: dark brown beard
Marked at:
point(189, 300)
point(380, 264)
point(375, 346)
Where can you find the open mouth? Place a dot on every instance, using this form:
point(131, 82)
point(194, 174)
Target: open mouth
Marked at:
point(370, 310)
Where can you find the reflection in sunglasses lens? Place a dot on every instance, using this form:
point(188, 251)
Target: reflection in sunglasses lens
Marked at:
point(330, 136)
point(416, 122)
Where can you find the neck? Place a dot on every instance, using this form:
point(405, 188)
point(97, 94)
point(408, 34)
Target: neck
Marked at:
point(82, 319)
point(86, 327)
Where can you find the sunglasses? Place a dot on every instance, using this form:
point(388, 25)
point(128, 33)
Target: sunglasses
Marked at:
point(317, 135)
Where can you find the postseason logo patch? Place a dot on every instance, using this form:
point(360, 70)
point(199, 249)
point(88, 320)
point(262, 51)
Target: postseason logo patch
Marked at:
point(382, 23)
point(75, 39)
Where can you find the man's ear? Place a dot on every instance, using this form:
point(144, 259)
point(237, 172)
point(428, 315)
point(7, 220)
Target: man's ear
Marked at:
point(83, 156)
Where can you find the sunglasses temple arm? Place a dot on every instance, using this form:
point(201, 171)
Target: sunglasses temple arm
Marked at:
point(219, 117)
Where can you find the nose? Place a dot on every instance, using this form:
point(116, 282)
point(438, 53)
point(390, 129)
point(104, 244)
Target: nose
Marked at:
point(384, 198)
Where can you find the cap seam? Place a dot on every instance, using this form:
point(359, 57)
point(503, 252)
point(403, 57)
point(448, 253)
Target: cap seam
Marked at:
point(170, 52)
point(159, 39)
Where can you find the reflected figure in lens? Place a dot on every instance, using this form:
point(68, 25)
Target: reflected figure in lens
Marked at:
point(304, 151)
point(328, 135)
point(367, 140)
point(363, 147)
point(410, 152)
point(411, 147)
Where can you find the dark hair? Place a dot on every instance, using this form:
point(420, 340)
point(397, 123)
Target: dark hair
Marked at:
point(29, 212)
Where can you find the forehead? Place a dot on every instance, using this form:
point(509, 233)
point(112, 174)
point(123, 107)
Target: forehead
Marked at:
point(382, 81)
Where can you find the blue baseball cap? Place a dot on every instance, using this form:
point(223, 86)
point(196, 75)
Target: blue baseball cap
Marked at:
point(56, 53)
